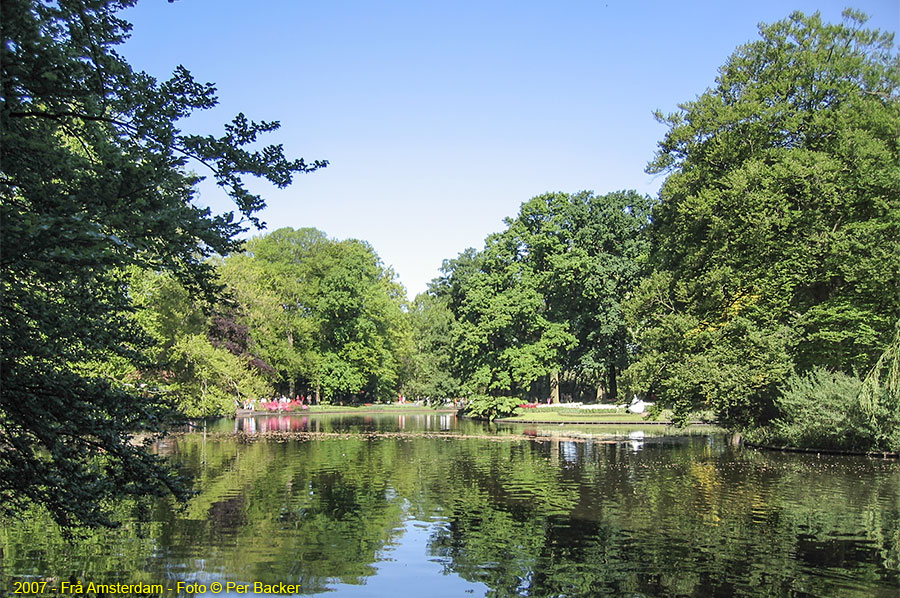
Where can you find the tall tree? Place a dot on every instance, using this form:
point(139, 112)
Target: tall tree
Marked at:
point(94, 179)
point(776, 240)
point(363, 332)
point(590, 250)
point(545, 294)
point(502, 340)
point(202, 355)
point(429, 368)
point(277, 281)
point(326, 314)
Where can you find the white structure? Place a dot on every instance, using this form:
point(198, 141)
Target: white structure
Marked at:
point(638, 405)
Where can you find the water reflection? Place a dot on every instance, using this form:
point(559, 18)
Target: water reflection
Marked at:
point(348, 422)
point(275, 423)
point(341, 423)
point(502, 517)
point(636, 440)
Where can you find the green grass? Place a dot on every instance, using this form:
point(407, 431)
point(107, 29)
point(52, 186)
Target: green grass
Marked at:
point(563, 414)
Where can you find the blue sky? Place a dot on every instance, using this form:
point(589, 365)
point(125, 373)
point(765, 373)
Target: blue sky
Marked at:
point(441, 118)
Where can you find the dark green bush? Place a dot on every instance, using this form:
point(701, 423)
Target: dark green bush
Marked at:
point(822, 409)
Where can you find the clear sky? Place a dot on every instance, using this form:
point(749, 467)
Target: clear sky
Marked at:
point(440, 118)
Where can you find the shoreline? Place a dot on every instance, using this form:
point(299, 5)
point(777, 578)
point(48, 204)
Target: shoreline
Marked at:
point(507, 420)
point(822, 451)
point(346, 409)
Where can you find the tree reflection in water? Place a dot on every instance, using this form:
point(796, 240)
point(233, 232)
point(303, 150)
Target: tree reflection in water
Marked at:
point(688, 516)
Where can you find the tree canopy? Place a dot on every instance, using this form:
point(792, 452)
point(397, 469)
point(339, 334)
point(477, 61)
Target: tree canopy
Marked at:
point(546, 294)
point(775, 242)
point(95, 178)
point(326, 314)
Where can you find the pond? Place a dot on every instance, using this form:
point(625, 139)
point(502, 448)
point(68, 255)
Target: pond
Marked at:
point(433, 506)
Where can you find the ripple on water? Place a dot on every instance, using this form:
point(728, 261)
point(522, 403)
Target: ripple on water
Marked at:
point(603, 516)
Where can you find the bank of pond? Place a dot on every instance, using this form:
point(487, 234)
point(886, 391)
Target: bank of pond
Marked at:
point(428, 504)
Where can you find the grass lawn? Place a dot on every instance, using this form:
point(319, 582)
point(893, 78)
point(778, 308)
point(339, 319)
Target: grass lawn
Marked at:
point(559, 414)
point(562, 415)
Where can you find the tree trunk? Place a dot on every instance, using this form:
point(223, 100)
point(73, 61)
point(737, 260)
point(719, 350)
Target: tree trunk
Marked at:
point(290, 340)
point(613, 386)
point(601, 392)
point(554, 451)
point(554, 386)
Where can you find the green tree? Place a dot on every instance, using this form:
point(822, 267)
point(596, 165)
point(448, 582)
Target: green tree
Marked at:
point(363, 331)
point(94, 179)
point(590, 251)
point(502, 338)
point(276, 280)
point(546, 294)
point(326, 314)
point(775, 242)
point(201, 354)
point(429, 369)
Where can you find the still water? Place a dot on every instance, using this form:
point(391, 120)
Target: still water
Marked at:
point(368, 507)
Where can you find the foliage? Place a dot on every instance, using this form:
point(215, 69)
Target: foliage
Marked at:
point(203, 361)
point(492, 407)
point(775, 241)
point(822, 409)
point(590, 251)
point(429, 367)
point(94, 179)
point(879, 396)
point(546, 293)
point(326, 314)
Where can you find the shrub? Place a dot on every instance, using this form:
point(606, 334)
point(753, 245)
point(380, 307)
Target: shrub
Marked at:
point(885, 420)
point(879, 396)
point(822, 409)
point(492, 407)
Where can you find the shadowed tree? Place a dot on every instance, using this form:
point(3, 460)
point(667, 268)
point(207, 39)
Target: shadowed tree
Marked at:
point(95, 179)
